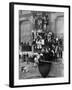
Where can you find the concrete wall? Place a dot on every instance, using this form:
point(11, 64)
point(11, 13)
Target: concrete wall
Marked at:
point(26, 28)
point(57, 22)
point(60, 26)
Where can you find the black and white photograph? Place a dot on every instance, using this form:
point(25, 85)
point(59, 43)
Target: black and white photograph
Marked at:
point(41, 39)
point(41, 44)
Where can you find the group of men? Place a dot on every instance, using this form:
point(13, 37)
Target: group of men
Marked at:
point(49, 44)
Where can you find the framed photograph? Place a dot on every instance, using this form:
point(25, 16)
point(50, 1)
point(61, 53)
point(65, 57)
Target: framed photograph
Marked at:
point(39, 38)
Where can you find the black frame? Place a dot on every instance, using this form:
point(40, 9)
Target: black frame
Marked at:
point(11, 42)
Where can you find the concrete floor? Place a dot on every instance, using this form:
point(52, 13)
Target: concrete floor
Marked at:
point(57, 70)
